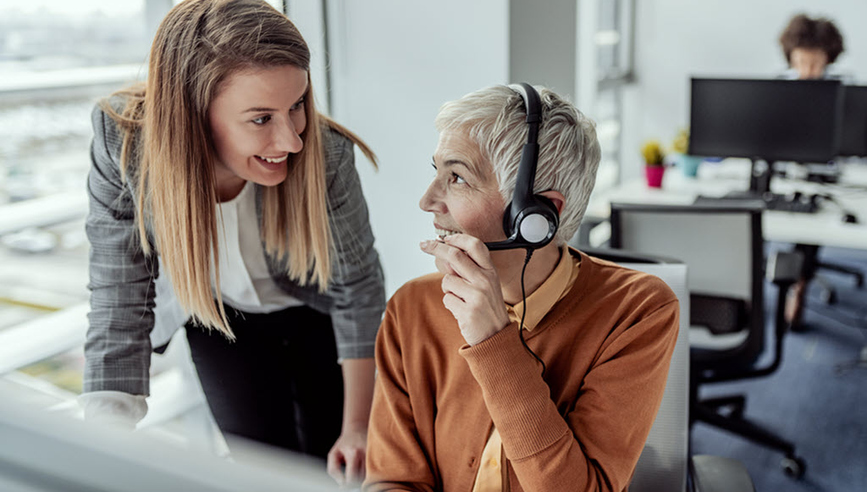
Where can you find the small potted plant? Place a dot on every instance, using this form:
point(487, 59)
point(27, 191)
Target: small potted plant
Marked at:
point(653, 163)
point(688, 163)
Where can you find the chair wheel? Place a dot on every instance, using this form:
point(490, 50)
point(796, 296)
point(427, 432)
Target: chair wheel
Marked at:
point(794, 466)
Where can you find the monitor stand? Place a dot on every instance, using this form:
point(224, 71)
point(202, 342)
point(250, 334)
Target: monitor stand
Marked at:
point(760, 181)
point(761, 172)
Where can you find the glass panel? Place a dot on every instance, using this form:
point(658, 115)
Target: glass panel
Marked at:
point(57, 58)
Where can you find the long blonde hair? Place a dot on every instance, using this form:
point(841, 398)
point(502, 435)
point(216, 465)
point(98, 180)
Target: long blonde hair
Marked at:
point(198, 45)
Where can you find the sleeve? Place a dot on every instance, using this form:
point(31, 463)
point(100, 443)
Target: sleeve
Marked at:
point(117, 349)
point(357, 282)
point(113, 408)
point(395, 458)
point(598, 442)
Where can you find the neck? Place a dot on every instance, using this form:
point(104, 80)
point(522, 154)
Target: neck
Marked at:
point(510, 263)
point(228, 186)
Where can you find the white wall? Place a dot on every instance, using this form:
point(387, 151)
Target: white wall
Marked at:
point(679, 38)
point(394, 63)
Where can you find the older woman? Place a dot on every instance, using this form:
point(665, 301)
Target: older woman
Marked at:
point(510, 369)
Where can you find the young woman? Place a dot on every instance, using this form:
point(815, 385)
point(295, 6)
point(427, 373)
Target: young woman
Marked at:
point(219, 187)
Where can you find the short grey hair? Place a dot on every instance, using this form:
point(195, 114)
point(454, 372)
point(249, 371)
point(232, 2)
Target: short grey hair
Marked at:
point(569, 153)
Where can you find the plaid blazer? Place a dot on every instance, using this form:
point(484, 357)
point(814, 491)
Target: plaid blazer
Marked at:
point(118, 345)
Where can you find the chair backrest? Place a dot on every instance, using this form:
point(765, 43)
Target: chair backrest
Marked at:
point(722, 245)
point(663, 462)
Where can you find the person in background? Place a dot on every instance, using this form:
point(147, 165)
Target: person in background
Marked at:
point(810, 46)
point(220, 181)
point(505, 371)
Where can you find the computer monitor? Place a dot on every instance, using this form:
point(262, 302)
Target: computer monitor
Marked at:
point(853, 137)
point(768, 119)
point(43, 451)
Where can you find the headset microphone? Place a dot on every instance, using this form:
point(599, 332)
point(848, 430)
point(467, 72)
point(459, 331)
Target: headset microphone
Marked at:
point(530, 221)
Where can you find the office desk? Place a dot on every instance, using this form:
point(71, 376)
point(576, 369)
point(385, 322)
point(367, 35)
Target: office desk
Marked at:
point(824, 228)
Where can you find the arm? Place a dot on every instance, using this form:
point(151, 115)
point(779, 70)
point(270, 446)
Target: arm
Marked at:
point(596, 445)
point(358, 294)
point(117, 348)
point(351, 447)
point(357, 284)
point(395, 458)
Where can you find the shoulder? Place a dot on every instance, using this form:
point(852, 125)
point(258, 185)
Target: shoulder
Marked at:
point(420, 292)
point(106, 131)
point(634, 290)
point(335, 145)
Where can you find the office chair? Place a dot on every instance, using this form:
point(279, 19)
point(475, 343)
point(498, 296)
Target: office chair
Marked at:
point(664, 463)
point(723, 247)
point(827, 293)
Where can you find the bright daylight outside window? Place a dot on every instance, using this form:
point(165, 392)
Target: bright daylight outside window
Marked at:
point(56, 58)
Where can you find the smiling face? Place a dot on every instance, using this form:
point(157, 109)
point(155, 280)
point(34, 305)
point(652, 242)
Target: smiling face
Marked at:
point(256, 121)
point(464, 195)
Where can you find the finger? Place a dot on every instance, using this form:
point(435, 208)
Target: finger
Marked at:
point(444, 267)
point(455, 285)
point(362, 465)
point(335, 462)
point(456, 258)
point(353, 468)
point(474, 248)
point(455, 305)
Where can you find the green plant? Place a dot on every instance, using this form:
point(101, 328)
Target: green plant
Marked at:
point(681, 141)
point(652, 152)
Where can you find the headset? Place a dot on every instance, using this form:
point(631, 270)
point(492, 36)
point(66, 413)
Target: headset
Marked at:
point(530, 221)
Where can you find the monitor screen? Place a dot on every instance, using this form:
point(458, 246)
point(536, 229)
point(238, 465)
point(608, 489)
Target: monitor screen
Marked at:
point(853, 138)
point(775, 120)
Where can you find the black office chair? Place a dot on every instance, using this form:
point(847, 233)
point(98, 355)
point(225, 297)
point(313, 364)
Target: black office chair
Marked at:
point(722, 245)
point(812, 264)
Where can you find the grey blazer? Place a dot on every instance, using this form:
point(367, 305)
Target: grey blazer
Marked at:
point(118, 346)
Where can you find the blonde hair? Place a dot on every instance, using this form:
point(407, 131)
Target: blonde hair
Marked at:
point(569, 153)
point(197, 47)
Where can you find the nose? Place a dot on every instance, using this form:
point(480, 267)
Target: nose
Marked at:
point(286, 139)
point(431, 201)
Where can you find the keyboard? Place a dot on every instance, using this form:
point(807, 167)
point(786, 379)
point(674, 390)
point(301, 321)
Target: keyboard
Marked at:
point(796, 202)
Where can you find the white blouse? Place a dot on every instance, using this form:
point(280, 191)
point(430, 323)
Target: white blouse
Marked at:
point(245, 282)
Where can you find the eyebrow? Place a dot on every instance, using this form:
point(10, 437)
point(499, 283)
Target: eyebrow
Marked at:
point(457, 162)
point(265, 110)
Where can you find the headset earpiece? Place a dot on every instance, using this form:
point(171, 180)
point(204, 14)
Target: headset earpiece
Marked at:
point(530, 221)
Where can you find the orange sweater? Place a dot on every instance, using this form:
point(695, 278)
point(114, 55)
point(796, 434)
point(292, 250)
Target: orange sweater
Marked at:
point(607, 346)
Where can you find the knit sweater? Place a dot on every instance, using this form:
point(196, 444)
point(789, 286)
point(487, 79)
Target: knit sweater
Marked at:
point(607, 345)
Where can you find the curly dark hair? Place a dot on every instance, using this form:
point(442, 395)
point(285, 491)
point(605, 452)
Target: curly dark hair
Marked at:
point(804, 32)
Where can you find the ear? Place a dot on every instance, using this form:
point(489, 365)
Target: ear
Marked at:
point(557, 198)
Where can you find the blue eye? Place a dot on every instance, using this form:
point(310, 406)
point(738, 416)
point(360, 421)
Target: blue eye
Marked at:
point(261, 120)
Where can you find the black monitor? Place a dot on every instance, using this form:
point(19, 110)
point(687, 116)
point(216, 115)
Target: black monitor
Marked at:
point(853, 137)
point(768, 119)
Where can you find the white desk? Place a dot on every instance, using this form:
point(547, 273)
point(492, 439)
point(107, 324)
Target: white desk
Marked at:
point(824, 228)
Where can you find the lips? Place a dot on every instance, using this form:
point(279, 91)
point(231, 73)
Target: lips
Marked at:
point(441, 231)
point(272, 163)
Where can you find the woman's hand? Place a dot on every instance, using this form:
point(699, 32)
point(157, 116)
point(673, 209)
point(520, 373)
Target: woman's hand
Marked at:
point(471, 286)
point(347, 457)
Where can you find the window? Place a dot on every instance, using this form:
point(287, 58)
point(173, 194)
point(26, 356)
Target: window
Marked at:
point(56, 58)
point(613, 40)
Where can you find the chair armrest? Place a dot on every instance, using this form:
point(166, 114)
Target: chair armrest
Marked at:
point(719, 474)
point(784, 267)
